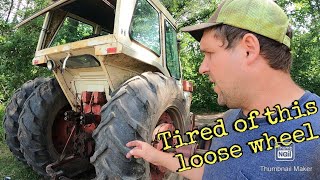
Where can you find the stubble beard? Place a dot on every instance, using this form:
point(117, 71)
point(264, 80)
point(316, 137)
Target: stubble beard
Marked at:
point(221, 99)
point(226, 99)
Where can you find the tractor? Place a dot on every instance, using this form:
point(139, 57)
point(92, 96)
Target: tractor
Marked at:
point(116, 78)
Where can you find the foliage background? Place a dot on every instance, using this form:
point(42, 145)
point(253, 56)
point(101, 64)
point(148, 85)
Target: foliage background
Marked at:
point(305, 20)
point(17, 49)
point(17, 46)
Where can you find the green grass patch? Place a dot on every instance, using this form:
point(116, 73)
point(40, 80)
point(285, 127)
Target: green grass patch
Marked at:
point(10, 166)
point(1, 124)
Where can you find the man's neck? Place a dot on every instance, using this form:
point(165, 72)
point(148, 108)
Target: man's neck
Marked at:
point(268, 92)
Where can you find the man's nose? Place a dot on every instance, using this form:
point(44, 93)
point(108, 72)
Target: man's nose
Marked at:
point(203, 69)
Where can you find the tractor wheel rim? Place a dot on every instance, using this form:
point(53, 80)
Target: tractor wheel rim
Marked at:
point(165, 123)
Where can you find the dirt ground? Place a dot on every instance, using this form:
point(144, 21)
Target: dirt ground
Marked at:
point(207, 118)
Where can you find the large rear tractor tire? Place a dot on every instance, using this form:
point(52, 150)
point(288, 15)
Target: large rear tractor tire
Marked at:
point(133, 113)
point(12, 113)
point(45, 106)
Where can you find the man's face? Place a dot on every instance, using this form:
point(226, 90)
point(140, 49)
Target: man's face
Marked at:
point(223, 66)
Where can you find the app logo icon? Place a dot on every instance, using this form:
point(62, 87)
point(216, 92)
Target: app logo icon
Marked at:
point(284, 152)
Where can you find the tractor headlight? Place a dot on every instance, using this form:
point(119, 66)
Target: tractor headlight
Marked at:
point(51, 65)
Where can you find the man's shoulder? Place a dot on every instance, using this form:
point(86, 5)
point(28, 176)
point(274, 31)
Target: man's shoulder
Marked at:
point(231, 113)
point(310, 102)
point(309, 96)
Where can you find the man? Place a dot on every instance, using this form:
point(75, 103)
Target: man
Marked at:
point(246, 44)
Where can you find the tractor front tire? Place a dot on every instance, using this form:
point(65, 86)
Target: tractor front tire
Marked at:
point(12, 113)
point(133, 113)
point(36, 122)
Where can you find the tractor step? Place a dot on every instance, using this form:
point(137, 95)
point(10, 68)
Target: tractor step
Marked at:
point(68, 168)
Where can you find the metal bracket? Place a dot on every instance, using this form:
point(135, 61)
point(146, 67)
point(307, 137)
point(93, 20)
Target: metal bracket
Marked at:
point(65, 62)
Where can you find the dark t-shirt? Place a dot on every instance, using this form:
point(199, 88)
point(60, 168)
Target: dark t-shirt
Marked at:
point(305, 161)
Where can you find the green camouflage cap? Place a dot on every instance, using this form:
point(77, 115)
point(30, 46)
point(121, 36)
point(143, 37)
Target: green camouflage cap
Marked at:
point(263, 17)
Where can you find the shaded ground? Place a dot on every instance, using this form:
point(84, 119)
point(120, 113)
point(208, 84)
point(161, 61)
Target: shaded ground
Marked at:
point(207, 118)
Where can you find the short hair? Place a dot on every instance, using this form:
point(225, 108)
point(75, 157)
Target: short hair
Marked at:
point(278, 55)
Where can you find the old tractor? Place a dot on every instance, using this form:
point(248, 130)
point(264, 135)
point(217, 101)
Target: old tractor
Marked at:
point(117, 78)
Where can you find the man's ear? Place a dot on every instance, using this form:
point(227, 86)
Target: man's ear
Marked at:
point(251, 47)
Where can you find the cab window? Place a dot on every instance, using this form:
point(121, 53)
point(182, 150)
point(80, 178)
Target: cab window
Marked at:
point(172, 57)
point(72, 30)
point(145, 27)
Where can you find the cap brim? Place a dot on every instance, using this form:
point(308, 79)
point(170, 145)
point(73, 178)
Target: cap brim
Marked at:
point(196, 31)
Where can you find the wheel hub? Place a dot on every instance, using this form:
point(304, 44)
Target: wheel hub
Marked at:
point(165, 124)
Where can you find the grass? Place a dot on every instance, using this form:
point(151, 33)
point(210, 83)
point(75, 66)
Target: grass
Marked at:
point(10, 166)
point(1, 125)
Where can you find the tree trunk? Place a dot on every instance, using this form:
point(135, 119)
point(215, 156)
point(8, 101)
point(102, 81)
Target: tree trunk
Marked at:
point(27, 7)
point(318, 7)
point(17, 10)
point(9, 12)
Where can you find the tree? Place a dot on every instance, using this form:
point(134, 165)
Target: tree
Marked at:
point(9, 12)
point(17, 52)
point(305, 18)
